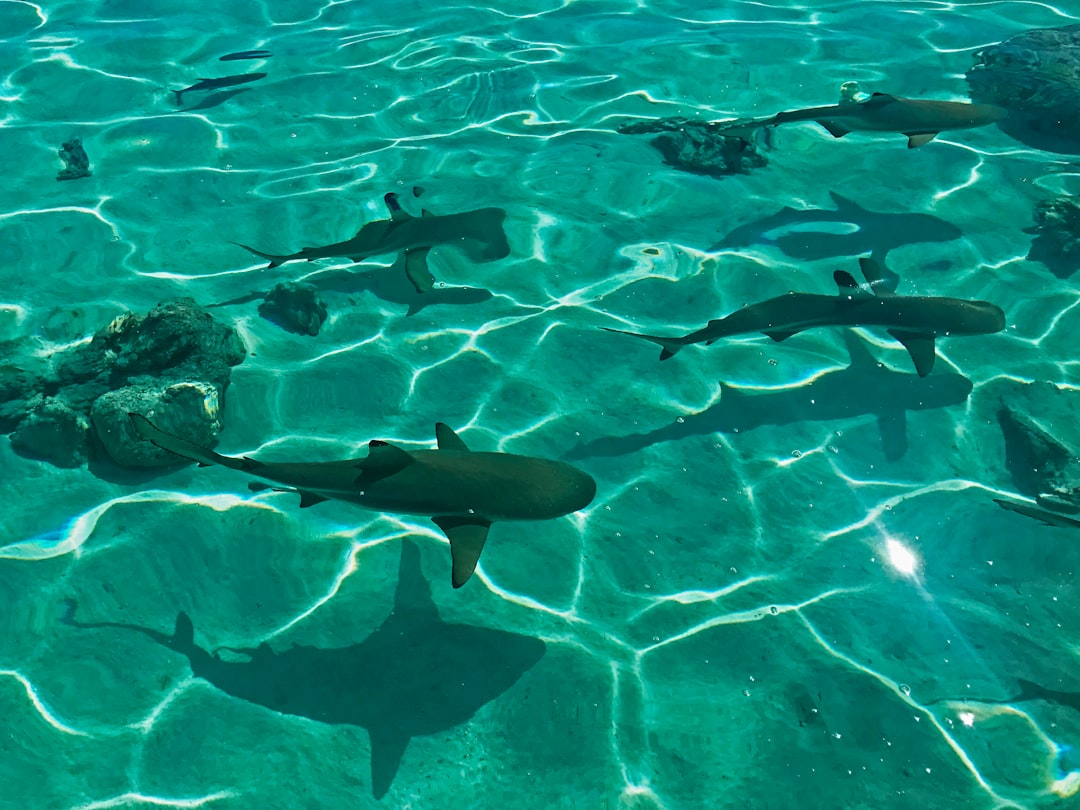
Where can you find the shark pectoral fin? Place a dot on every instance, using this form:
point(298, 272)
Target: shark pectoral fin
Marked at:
point(778, 335)
point(309, 499)
point(416, 269)
point(425, 213)
point(448, 439)
point(836, 130)
point(921, 348)
point(467, 536)
point(920, 139)
point(875, 274)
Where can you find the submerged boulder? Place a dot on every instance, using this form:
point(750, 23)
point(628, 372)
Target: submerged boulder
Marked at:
point(1036, 76)
point(1042, 443)
point(1057, 236)
point(172, 364)
point(295, 306)
point(699, 146)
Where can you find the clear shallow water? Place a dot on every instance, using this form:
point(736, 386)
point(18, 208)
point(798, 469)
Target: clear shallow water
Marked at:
point(722, 626)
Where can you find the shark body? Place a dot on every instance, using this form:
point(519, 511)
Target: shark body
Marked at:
point(1043, 515)
point(920, 119)
point(479, 233)
point(463, 492)
point(915, 321)
point(217, 84)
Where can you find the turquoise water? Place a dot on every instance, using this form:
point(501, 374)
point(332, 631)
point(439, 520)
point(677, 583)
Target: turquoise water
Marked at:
point(793, 588)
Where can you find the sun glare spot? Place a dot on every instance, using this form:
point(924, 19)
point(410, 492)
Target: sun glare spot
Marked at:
point(901, 557)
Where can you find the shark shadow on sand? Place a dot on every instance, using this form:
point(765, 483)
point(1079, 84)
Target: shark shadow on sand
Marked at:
point(388, 284)
point(875, 232)
point(416, 675)
point(864, 387)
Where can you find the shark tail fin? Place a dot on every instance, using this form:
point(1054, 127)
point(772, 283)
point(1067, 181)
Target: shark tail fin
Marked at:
point(183, 448)
point(274, 260)
point(670, 345)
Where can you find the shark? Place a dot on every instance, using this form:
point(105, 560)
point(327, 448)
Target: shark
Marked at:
point(415, 675)
point(462, 491)
point(921, 120)
point(875, 232)
point(1043, 515)
point(915, 321)
point(480, 233)
point(217, 84)
point(864, 387)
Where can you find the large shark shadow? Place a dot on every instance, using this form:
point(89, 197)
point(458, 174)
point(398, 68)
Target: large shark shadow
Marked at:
point(415, 675)
point(874, 231)
point(864, 387)
point(388, 284)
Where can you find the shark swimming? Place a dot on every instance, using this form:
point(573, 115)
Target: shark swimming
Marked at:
point(462, 491)
point(479, 233)
point(915, 321)
point(216, 84)
point(920, 119)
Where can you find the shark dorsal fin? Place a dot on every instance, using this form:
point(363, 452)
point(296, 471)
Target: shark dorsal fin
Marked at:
point(467, 536)
point(879, 98)
point(845, 204)
point(448, 439)
point(383, 459)
point(183, 636)
point(921, 348)
point(397, 213)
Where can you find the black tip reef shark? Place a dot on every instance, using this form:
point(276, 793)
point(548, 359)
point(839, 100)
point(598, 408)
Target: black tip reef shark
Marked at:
point(479, 233)
point(920, 119)
point(216, 84)
point(915, 321)
point(461, 491)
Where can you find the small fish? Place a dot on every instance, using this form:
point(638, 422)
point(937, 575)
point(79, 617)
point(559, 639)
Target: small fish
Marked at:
point(215, 84)
point(232, 57)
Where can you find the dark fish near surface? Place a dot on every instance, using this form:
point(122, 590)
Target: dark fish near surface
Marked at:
point(920, 119)
point(232, 57)
point(463, 492)
point(479, 233)
point(1043, 515)
point(915, 321)
point(216, 84)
